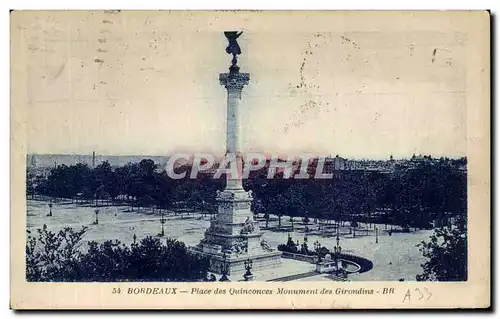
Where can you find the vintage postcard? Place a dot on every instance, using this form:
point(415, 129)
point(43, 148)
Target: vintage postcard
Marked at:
point(250, 160)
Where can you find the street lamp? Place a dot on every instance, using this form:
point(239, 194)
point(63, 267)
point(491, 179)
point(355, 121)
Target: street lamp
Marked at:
point(224, 268)
point(162, 221)
point(376, 235)
point(248, 266)
point(96, 216)
point(337, 251)
point(306, 221)
point(50, 209)
point(134, 238)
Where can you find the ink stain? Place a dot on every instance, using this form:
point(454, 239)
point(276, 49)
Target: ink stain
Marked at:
point(349, 41)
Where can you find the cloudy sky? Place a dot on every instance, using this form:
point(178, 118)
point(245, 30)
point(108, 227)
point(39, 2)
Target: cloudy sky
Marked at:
point(147, 83)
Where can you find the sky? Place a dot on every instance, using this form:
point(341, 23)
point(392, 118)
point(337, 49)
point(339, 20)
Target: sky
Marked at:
point(122, 83)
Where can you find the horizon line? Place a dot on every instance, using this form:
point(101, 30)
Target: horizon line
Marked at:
point(267, 155)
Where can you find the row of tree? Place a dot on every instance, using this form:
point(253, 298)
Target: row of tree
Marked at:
point(406, 197)
point(59, 257)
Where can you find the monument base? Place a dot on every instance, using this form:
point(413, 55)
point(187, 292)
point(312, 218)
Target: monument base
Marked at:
point(234, 237)
point(236, 263)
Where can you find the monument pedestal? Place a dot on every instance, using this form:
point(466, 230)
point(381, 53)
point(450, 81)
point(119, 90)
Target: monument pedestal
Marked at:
point(234, 237)
point(236, 264)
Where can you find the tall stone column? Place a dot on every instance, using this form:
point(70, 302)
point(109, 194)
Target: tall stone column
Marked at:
point(234, 81)
point(233, 236)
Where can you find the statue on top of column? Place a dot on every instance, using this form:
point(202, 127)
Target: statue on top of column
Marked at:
point(233, 46)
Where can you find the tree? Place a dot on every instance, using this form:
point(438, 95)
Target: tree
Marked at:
point(277, 207)
point(447, 254)
point(354, 225)
point(280, 214)
point(103, 182)
point(124, 175)
point(266, 216)
point(105, 262)
point(56, 257)
point(194, 199)
point(53, 256)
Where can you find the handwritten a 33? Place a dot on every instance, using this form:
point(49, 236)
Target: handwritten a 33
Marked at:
point(421, 293)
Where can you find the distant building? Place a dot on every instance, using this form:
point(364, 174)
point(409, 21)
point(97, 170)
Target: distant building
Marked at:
point(337, 163)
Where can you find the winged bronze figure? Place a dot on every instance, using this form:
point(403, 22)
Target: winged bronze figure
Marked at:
point(233, 46)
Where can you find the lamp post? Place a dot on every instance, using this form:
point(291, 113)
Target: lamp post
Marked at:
point(376, 235)
point(306, 221)
point(134, 238)
point(248, 266)
point(162, 221)
point(224, 268)
point(317, 247)
point(50, 209)
point(337, 251)
point(96, 216)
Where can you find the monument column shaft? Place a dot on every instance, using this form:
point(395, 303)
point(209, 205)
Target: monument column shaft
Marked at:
point(233, 139)
point(233, 136)
point(234, 82)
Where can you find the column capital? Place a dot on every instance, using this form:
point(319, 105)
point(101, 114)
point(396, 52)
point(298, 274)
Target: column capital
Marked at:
point(234, 81)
